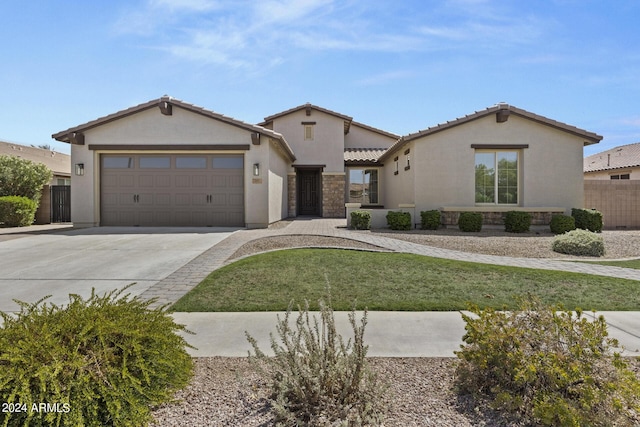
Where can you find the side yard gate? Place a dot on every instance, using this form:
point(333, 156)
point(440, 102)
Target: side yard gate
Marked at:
point(60, 203)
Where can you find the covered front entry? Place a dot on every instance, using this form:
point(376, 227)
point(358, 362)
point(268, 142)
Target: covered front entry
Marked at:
point(309, 185)
point(196, 190)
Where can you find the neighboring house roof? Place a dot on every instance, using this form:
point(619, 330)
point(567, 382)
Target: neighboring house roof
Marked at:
point(502, 112)
point(362, 156)
point(74, 135)
point(59, 163)
point(347, 120)
point(624, 156)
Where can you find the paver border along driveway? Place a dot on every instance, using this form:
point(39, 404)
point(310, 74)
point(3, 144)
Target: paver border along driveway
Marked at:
point(104, 258)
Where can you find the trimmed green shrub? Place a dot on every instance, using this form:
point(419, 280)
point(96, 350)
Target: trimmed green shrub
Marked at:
point(517, 222)
point(361, 220)
point(470, 221)
point(21, 177)
point(105, 361)
point(562, 223)
point(588, 219)
point(17, 211)
point(430, 220)
point(317, 379)
point(399, 220)
point(579, 242)
point(545, 366)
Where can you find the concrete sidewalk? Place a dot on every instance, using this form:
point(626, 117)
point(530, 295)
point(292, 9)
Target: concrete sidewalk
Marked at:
point(388, 334)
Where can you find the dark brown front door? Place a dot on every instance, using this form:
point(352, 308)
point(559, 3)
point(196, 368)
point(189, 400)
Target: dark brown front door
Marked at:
point(308, 192)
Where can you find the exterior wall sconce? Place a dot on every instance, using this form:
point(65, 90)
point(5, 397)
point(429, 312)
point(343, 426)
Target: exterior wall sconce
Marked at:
point(79, 169)
point(256, 169)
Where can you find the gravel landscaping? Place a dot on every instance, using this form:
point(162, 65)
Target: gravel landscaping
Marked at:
point(227, 392)
point(618, 244)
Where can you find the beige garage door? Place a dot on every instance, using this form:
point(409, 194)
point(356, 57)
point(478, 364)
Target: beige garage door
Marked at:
point(172, 190)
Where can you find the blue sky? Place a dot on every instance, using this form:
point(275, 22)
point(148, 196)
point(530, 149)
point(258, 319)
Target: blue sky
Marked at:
point(400, 66)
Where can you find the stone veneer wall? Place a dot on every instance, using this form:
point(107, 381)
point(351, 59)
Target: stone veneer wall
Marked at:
point(333, 190)
point(291, 195)
point(497, 218)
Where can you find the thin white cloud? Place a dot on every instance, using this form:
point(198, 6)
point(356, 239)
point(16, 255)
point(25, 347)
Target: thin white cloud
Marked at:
point(249, 34)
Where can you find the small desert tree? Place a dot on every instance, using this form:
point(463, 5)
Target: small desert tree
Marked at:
point(21, 177)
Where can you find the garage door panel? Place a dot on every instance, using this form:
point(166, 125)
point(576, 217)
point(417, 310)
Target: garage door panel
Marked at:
point(163, 199)
point(163, 181)
point(235, 200)
point(158, 195)
point(146, 181)
point(126, 181)
point(199, 181)
point(235, 182)
point(183, 181)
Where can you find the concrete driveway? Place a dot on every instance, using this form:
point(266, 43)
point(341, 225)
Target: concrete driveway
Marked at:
point(105, 258)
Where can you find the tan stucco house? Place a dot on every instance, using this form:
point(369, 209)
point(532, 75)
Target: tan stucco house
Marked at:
point(167, 162)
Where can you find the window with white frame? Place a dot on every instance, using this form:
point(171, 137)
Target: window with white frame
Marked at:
point(363, 186)
point(496, 177)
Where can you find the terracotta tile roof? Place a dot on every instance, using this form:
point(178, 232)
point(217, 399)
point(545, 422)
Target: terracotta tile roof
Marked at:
point(65, 135)
point(624, 156)
point(362, 155)
point(59, 163)
point(505, 110)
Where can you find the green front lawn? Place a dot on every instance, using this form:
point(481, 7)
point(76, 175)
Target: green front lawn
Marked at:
point(390, 281)
point(634, 263)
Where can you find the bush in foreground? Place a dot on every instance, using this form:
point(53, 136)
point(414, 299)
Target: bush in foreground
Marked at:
point(517, 222)
point(104, 361)
point(361, 220)
point(317, 379)
point(17, 211)
point(588, 219)
point(546, 366)
point(399, 220)
point(470, 221)
point(562, 223)
point(579, 242)
point(430, 220)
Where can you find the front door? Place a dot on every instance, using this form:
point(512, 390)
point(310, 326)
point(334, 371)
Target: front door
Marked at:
point(308, 192)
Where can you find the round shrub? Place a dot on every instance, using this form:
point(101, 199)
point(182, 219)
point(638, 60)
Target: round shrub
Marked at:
point(399, 220)
point(517, 222)
point(361, 220)
point(588, 219)
point(17, 211)
point(430, 220)
point(579, 242)
point(104, 361)
point(562, 223)
point(546, 366)
point(470, 221)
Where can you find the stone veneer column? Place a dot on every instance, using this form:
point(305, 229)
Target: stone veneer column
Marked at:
point(291, 194)
point(333, 190)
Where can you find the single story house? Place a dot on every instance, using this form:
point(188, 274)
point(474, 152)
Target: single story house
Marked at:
point(167, 162)
point(60, 165)
point(621, 162)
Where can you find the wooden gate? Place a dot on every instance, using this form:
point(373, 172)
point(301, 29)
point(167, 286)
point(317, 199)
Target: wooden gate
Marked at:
point(60, 203)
